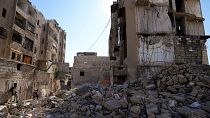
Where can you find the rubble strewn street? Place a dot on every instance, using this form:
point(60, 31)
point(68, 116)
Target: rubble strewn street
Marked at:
point(178, 91)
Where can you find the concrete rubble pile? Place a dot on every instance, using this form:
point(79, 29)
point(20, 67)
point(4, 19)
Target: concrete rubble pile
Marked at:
point(178, 91)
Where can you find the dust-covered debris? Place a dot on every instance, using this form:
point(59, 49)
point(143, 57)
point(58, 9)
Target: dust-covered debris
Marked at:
point(176, 92)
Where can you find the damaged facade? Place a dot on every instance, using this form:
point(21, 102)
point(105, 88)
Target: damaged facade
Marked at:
point(147, 35)
point(89, 68)
point(28, 39)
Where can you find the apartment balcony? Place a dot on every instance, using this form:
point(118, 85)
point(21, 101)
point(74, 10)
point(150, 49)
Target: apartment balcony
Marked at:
point(29, 14)
point(20, 21)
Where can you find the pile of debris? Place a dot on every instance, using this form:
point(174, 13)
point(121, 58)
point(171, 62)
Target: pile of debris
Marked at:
point(176, 92)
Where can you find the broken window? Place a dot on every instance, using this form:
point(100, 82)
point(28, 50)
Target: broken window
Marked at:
point(3, 33)
point(4, 12)
point(180, 5)
point(13, 56)
point(30, 27)
point(27, 59)
point(18, 57)
point(42, 52)
point(82, 73)
point(20, 21)
point(17, 37)
point(28, 44)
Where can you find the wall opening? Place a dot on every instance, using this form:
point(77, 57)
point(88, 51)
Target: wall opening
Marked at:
point(13, 56)
point(20, 21)
point(27, 59)
point(30, 27)
point(19, 66)
point(3, 33)
point(180, 5)
point(82, 73)
point(4, 12)
point(180, 26)
point(17, 37)
point(120, 80)
point(28, 44)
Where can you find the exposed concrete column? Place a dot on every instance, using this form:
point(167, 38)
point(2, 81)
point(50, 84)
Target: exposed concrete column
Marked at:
point(132, 42)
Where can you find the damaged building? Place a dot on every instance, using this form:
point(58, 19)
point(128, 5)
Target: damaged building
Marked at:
point(147, 35)
point(29, 40)
point(88, 68)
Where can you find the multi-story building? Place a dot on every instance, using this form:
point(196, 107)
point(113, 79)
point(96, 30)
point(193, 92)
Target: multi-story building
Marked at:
point(30, 43)
point(149, 34)
point(7, 14)
point(26, 36)
point(55, 42)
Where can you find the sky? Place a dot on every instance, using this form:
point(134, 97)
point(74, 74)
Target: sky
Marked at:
point(84, 20)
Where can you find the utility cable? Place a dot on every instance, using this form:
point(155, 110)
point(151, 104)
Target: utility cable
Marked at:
point(100, 34)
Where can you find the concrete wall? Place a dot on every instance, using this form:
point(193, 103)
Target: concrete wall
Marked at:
point(194, 28)
point(156, 50)
point(95, 69)
point(7, 24)
point(193, 7)
point(152, 20)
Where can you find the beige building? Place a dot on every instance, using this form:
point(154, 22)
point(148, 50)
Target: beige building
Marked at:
point(88, 68)
point(26, 36)
point(7, 13)
point(147, 35)
point(31, 48)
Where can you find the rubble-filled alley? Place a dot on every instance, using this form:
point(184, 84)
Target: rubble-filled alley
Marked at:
point(157, 66)
point(176, 92)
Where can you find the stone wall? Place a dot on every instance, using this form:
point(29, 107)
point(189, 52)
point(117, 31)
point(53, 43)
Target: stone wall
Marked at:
point(189, 50)
point(27, 79)
point(10, 75)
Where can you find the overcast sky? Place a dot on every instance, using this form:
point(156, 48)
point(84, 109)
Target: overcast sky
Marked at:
point(84, 20)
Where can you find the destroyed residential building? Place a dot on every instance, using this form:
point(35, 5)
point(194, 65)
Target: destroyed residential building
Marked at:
point(88, 68)
point(147, 35)
point(28, 40)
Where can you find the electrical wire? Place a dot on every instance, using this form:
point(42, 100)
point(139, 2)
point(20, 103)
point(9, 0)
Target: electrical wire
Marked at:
point(100, 34)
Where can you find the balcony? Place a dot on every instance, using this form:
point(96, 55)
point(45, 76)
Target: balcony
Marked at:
point(20, 21)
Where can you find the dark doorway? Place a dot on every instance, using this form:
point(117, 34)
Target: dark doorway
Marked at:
point(180, 5)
